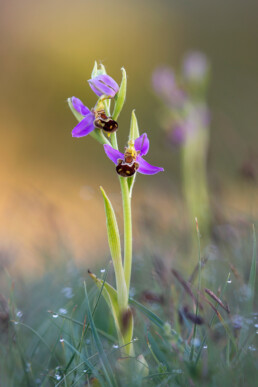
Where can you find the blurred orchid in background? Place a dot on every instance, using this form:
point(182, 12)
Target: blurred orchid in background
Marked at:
point(186, 120)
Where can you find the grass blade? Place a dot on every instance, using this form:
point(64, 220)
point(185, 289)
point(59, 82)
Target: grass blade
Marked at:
point(103, 358)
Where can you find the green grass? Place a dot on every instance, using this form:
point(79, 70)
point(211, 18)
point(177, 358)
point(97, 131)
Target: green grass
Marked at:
point(65, 335)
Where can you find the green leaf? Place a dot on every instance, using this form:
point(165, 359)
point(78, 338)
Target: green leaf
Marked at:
point(115, 250)
point(120, 97)
point(110, 378)
point(110, 295)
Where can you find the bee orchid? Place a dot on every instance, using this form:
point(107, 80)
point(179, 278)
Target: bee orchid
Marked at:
point(131, 161)
point(94, 118)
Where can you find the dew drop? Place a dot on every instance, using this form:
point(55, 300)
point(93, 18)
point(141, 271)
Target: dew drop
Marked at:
point(61, 340)
point(57, 376)
point(135, 339)
point(85, 371)
point(196, 342)
point(229, 281)
point(62, 311)
point(205, 346)
point(54, 315)
point(102, 270)
point(252, 348)
point(67, 292)
point(132, 292)
point(256, 325)
point(115, 346)
point(16, 322)
point(19, 314)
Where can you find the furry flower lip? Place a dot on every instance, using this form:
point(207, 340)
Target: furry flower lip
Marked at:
point(131, 161)
point(104, 85)
point(94, 118)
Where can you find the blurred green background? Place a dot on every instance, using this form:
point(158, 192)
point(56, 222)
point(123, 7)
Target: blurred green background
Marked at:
point(49, 180)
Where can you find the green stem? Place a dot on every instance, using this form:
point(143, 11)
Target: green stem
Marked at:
point(127, 231)
point(113, 140)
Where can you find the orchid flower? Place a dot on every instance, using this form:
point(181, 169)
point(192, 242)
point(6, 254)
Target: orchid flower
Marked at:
point(104, 85)
point(94, 118)
point(131, 161)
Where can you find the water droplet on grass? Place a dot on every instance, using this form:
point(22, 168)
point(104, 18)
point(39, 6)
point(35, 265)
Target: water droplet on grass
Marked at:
point(19, 314)
point(115, 346)
point(205, 346)
point(256, 325)
point(55, 315)
point(62, 311)
point(67, 292)
point(61, 340)
point(229, 281)
point(58, 377)
point(196, 342)
point(102, 270)
point(252, 348)
point(179, 371)
point(132, 292)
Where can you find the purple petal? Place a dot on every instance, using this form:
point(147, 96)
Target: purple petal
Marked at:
point(177, 135)
point(79, 107)
point(165, 85)
point(112, 153)
point(142, 144)
point(109, 81)
point(104, 85)
point(84, 127)
point(195, 66)
point(147, 169)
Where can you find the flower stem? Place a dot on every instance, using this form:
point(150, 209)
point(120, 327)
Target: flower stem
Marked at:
point(127, 231)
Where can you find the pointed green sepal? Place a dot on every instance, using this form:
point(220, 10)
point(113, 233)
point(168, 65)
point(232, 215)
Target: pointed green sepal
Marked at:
point(134, 128)
point(120, 97)
point(77, 115)
point(115, 250)
point(95, 70)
